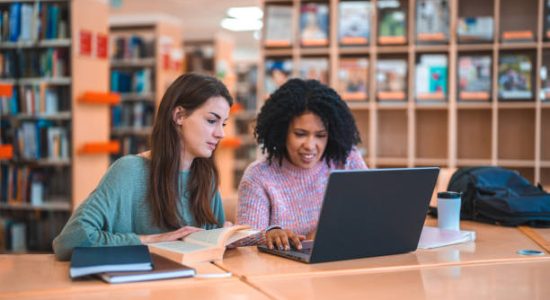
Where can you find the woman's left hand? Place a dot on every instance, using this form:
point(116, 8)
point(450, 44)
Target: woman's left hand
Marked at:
point(169, 236)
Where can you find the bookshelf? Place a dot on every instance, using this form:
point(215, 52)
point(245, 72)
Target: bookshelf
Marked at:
point(44, 124)
point(449, 131)
point(146, 57)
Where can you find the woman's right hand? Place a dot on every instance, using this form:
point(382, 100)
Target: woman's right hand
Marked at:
point(168, 236)
point(280, 238)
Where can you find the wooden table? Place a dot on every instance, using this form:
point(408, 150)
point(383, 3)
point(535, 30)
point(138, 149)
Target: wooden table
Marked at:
point(493, 244)
point(539, 235)
point(510, 280)
point(43, 277)
point(488, 268)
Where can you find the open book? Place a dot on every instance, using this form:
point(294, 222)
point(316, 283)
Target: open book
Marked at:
point(205, 245)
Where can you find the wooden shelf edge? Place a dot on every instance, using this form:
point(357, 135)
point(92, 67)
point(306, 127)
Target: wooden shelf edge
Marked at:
point(518, 163)
point(111, 147)
point(431, 161)
point(42, 162)
point(391, 161)
point(127, 130)
point(470, 162)
point(57, 205)
point(101, 98)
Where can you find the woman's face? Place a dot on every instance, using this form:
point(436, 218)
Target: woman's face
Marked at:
point(306, 140)
point(202, 130)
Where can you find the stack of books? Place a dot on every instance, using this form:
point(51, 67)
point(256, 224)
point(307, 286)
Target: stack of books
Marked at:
point(120, 264)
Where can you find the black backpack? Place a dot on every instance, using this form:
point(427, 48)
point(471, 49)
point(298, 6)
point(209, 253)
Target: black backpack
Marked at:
point(500, 196)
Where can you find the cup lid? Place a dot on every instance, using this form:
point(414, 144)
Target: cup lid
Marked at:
point(448, 195)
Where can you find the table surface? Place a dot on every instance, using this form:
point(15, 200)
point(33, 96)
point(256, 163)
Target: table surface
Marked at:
point(511, 280)
point(487, 268)
point(493, 244)
point(41, 276)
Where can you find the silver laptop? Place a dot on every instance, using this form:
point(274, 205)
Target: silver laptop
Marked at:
point(368, 213)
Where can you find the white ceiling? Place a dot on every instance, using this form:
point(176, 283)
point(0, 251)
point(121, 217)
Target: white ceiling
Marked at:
point(200, 18)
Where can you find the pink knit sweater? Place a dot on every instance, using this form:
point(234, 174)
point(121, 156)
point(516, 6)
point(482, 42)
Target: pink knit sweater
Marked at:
point(286, 195)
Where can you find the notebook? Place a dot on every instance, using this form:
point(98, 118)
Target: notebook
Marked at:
point(93, 260)
point(433, 237)
point(368, 213)
point(163, 268)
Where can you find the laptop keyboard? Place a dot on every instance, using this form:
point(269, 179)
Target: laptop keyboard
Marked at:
point(303, 250)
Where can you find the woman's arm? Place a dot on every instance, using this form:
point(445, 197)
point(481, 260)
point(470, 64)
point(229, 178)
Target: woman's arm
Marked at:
point(253, 207)
point(355, 160)
point(89, 226)
point(106, 217)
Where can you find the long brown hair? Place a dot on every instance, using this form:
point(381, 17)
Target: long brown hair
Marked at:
point(189, 91)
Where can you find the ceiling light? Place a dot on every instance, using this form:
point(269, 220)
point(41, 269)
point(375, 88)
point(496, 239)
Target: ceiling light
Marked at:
point(388, 4)
point(245, 12)
point(241, 25)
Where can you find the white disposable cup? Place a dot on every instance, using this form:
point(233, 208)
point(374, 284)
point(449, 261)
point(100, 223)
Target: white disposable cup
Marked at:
point(448, 210)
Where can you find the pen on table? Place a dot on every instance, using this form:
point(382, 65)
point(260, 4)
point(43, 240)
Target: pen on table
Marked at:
point(214, 275)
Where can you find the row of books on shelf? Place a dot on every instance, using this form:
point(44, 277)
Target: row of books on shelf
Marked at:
point(354, 24)
point(133, 47)
point(139, 81)
point(132, 145)
point(32, 22)
point(31, 63)
point(21, 184)
point(13, 235)
point(29, 234)
point(132, 115)
point(278, 71)
point(41, 140)
point(36, 99)
point(431, 76)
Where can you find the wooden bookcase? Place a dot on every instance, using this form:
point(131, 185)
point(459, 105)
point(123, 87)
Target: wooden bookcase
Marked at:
point(162, 59)
point(83, 85)
point(452, 133)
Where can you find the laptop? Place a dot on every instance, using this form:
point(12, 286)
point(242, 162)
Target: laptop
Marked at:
point(368, 213)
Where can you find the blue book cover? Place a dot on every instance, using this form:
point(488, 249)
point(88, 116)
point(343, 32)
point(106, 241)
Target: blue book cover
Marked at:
point(438, 79)
point(14, 105)
point(114, 81)
point(15, 21)
point(1, 26)
point(116, 116)
point(4, 183)
point(94, 260)
point(53, 21)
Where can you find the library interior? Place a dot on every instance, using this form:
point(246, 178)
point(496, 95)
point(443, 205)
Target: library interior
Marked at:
point(459, 85)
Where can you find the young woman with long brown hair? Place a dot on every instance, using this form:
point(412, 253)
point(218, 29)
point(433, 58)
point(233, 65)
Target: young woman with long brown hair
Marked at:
point(164, 194)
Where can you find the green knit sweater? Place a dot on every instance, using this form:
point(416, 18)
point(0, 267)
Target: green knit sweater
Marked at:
point(117, 211)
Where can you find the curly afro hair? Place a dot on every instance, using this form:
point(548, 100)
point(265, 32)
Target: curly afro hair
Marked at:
point(294, 98)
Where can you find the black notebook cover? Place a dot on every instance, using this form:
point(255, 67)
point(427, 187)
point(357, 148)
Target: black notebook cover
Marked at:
point(93, 260)
point(163, 269)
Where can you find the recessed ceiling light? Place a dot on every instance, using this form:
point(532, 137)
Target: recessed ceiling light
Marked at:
point(241, 25)
point(245, 12)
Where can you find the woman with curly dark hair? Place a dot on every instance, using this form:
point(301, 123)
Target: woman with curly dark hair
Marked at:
point(307, 130)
